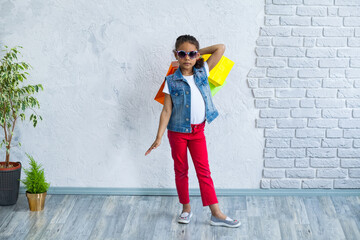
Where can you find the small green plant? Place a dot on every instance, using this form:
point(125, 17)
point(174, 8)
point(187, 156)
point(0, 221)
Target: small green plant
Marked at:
point(35, 179)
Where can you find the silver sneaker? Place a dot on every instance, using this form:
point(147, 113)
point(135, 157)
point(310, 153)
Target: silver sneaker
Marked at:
point(185, 217)
point(226, 223)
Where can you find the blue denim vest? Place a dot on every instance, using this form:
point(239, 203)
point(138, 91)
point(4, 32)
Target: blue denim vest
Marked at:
point(181, 98)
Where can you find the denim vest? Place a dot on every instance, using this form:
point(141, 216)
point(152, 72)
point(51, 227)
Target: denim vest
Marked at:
point(181, 99)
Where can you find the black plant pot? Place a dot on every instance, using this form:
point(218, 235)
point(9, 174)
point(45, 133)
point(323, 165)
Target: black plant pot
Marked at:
point(9, 184)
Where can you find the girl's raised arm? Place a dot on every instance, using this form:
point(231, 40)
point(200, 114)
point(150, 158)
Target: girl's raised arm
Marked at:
point(216, 52)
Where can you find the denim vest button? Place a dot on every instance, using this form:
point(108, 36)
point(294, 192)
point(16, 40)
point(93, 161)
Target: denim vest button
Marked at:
point(187, 130)
point(187, 92)
point(187, 105)
point(176, 94)
point(187, 119)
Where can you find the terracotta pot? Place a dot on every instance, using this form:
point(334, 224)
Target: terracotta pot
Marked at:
point(9, 184)
point(36, 201)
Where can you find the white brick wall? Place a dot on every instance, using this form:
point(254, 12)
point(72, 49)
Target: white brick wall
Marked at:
point(306, 85)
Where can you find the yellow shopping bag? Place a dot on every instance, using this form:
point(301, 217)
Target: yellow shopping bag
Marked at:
point(220, 72)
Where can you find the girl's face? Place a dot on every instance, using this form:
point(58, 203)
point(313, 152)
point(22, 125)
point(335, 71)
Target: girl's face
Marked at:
point(187, 63)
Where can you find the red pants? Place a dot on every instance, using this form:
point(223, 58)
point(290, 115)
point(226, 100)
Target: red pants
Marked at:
point(196, 143)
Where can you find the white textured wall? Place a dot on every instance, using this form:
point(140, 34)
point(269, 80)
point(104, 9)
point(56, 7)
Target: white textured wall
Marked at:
point(101, 64)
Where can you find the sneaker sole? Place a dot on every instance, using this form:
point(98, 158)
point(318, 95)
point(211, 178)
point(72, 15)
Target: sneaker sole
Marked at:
point(224, 224)
point(184, 221)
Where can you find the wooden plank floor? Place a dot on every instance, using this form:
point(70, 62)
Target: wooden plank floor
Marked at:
point(154, 217)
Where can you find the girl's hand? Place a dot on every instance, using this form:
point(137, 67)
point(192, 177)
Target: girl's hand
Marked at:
point(154, 145)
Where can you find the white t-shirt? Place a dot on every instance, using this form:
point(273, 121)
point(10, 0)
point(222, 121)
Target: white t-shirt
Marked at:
point(197, 102)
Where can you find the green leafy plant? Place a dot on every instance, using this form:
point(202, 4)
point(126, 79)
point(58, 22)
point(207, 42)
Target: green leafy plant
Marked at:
point(14, 97)
point(35, 178)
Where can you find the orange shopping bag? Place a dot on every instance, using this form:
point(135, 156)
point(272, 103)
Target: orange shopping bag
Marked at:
point(160, 96)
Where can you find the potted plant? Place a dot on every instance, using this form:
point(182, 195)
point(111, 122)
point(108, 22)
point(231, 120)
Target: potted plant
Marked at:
point(36, 186)
point(15, 98)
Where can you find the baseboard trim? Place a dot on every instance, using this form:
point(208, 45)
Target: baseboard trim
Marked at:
point(196, 192)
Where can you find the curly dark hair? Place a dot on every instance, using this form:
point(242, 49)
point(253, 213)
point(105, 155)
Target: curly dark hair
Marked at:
point(190, 39)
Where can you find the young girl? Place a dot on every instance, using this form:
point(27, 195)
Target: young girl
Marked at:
point(187, 106)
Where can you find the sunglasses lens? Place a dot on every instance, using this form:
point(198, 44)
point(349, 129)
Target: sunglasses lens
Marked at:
point(181, 54)
point(192, 54)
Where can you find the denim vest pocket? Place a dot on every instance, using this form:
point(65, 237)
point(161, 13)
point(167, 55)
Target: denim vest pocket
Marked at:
point(177, 96)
